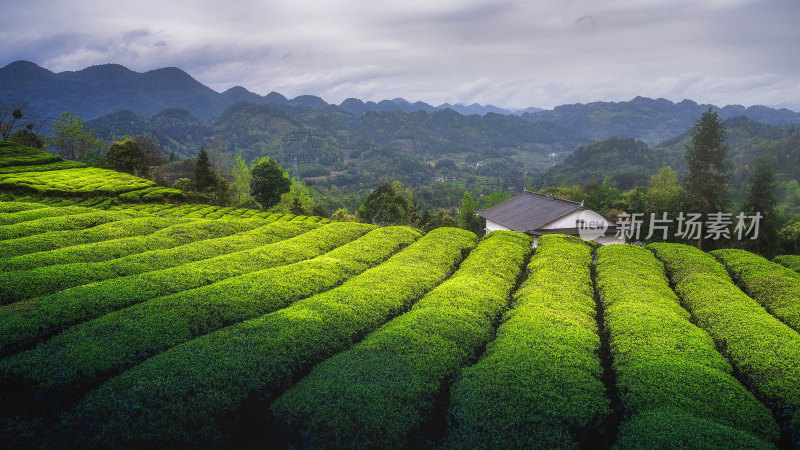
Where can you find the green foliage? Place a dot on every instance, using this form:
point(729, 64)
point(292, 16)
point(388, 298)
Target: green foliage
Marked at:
point(775, 287)
point(539, 382)
point(495, 198)
point(761, 199)
point(13, 249)
point(184, 244)
point(762, 349)
point(708, 168)
point(790, 261)
point(204, 179)
point(127, 156)
point(467, 219)
point(71, 182)
point(396, 372)
point(263, 355)
point(85, 353)
point(71, 139)
point(268, 183)
point(385, 206)
point(13, 154)
point(789, 237)
point(667, 366)
point(241, 180)
point(72, 220)
point(30, 321)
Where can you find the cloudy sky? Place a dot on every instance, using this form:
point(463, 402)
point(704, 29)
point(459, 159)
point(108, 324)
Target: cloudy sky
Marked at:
point(512, 54)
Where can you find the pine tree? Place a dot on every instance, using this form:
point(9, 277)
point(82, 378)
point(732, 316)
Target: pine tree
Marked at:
point(204, 178)
point(761, 199)
point(709, 172)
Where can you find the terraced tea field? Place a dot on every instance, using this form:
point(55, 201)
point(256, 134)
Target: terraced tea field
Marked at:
point(195, 326)
point(25, 171)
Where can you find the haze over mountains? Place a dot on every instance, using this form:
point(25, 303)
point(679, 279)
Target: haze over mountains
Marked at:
point(100, 90)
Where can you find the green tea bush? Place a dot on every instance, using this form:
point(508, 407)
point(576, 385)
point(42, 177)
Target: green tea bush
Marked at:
point(13, 154)
point(790, 261)
point(187, 395)
point(73, 266)
point(86, 352)
point(53, 240)
point(88, 180)
point(8, 207)
point(55, 165)
point(765, 351)
point(123, 238)
point(539, 382)
point(777, 288)
point(73, 221)
point(667, 366)
point(397, 371)
point(24, 323)
point(40, 213)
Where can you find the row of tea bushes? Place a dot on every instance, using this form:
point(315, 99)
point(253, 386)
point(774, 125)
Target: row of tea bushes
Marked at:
point(777, 288)
point(539, 383)
point(382, 389)
point(257, 358)
point(27, 322)
point(675, 388)
point(87, 352)
point(765, 351)
point(44, 273)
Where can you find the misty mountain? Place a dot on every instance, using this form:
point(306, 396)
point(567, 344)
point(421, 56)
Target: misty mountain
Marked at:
point(629, 162)
point(651, 121)
point(99, 90)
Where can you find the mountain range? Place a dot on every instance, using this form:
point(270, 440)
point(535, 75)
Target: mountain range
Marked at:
point(100, 90)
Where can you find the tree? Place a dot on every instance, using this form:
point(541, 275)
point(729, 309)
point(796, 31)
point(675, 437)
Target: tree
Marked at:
point(10, 115)
point(127, 156)
point(268, 183)
point(203, 175)
point(384, 206)
point(28, 138)
point(761, 199)
point(71, 138)
point(467, 219)
point(241, 180)
point(709, 171)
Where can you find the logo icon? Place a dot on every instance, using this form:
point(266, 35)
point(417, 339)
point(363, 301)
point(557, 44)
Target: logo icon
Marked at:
point(591, 225)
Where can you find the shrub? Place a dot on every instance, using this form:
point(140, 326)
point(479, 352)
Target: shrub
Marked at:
point(257, 357)
point(24, 323)
point(78, 220)
point(667, 366)
point(539, 382)
point(86, 352)
point(777, 288)
point(790, 261)
point(72, 266)
point(765, 351)
point(397, 371)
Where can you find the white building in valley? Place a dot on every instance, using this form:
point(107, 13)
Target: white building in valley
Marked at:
point(539, 214)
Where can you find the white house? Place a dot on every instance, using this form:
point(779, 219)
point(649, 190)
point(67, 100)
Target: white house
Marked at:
point(538, 214)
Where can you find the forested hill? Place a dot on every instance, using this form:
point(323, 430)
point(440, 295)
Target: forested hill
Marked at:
point(328, 141)
point(649, 120)
point(629, 162)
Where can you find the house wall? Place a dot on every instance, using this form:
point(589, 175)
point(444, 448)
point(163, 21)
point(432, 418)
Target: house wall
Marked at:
point(571, 219)
point(492, 226)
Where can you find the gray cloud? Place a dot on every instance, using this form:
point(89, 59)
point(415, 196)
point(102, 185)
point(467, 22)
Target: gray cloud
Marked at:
point(511, 53)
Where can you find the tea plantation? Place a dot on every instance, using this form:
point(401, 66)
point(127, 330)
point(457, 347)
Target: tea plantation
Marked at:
point(165, 325)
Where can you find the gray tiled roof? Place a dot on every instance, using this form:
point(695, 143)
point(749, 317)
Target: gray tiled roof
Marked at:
point(528, 211)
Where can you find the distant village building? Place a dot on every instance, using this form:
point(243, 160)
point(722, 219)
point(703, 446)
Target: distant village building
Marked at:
point(539, 214)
